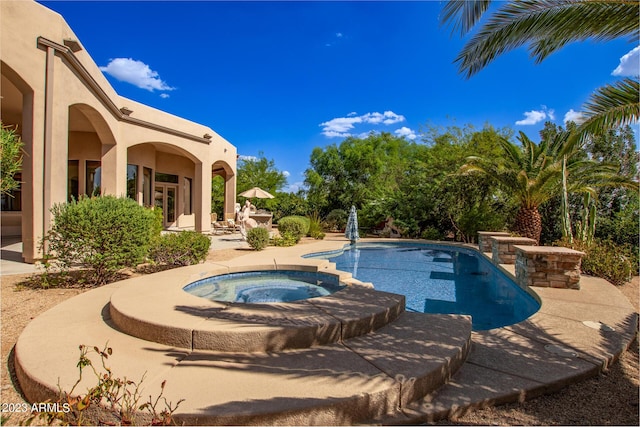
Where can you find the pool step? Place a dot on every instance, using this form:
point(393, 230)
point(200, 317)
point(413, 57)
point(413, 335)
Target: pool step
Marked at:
point(170, 316)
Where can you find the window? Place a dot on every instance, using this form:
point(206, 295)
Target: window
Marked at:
point(93, 178)
point(132, 181)
point(146, 187)
point(187, 196)
point(165, 177)
point(73, 180)
point(13, 201)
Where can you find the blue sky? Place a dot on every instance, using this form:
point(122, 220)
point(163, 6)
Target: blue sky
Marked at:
point(284, 77)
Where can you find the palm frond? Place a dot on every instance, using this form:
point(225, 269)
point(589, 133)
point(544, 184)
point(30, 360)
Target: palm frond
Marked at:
point(547, 26)
point(612, 106)
point(463, 15)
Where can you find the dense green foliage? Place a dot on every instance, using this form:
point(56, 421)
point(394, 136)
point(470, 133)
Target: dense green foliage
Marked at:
point(258, 238)
point(293, 227)
point(429, 193)
point(288, 204)
point(10, 157)
point(604, 258)
point(184, 248)
point(613, 195)
point(101, 234)
point(417, 184)
point(260, 172)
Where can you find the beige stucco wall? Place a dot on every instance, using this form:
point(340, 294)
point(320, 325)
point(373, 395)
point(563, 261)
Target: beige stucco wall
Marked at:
point(70, 87)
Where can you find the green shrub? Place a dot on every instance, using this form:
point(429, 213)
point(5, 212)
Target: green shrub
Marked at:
point(296, 226)
point(336, 220)
point(258, 238)
point(431, 233)
point(184, 248)
point(286, 239)
point(315, 227)
point(604, 258)
point(102, 234)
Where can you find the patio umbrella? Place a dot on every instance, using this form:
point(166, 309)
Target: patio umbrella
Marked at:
point(351, 232)
point(256, 192)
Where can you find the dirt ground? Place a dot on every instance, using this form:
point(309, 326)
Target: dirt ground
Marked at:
point(608, 399)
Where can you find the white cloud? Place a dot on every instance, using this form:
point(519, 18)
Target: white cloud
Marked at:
point(247, 158)
point(573, 116)
point(406, 132)
point(164, 95)
point(293, 188)
point(339, 35)
point(135, 72)
point(286, 174)
point(342, 126)
point(536, 116)
point(629, 64)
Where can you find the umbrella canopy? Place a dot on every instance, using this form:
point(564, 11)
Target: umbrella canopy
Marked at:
point(256, 192)
point(351, 232)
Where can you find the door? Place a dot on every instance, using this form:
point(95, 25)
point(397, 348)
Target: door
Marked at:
point(165, 197)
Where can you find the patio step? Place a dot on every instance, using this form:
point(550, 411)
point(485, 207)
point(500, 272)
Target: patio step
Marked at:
point(173, 317)
point(365, 378)
point(361, 378)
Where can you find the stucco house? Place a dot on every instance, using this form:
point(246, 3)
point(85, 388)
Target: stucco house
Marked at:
point(81, 137)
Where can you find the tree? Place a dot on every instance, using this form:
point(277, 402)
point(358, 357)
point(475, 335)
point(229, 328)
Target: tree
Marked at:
point(545, 27)
point(260, 172)
point(361, 172)
point(11, 158)
point(533, 174)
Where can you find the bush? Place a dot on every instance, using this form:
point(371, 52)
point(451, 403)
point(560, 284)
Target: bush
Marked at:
point(296, 226)
point(285, 239)
point(315, 227)
point(336, 220)
point(258, 238)
point(606, 259)
point(102, 234)
point(184, 248)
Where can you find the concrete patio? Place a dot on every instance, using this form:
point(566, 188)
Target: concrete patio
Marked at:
point(353, 357)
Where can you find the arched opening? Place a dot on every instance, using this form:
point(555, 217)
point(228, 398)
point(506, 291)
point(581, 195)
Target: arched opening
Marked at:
point(84, 162)
point(11, 204)
point(223, 187)
point(18, 217)
point(164, 176)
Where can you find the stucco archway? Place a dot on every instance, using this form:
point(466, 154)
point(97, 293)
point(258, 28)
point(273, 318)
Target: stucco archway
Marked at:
point(18, 214)
point(225, 171)
point(90, 168)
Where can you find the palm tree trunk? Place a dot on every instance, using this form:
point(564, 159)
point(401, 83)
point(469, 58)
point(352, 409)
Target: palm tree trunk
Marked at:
point(529, 223)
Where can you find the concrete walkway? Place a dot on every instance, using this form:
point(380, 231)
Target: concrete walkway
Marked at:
point(364, 379)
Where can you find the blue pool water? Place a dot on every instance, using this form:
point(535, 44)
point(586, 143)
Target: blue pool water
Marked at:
point(439, 279)
point(265, 286)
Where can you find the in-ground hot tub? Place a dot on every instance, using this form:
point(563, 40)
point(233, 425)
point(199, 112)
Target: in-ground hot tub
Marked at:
point(259, 287)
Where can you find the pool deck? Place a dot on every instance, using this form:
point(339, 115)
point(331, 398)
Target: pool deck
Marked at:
point(365, 378)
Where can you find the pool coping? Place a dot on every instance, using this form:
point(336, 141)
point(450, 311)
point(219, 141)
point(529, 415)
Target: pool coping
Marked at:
point(575, 335)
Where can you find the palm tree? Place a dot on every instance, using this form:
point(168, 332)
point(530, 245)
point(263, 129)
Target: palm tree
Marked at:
point(545, 26)
point(532, 173)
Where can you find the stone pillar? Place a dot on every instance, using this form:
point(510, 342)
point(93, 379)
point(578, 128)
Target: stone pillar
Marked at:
point(548, 266)
point(484, 244)
point(503, 248)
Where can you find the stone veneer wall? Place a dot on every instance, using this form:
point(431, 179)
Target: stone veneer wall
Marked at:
point(503, 248)
point(484, 244)
point(548, 266)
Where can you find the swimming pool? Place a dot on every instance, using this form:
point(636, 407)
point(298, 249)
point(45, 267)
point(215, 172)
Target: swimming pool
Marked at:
point(257, 287)
point(438, 279)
